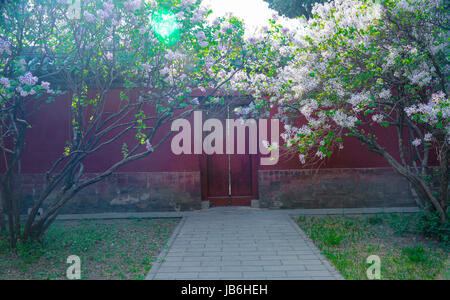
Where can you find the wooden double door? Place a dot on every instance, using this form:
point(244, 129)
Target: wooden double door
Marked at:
point(229, 179)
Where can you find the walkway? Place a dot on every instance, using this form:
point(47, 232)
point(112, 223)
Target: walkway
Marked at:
point(240, 243)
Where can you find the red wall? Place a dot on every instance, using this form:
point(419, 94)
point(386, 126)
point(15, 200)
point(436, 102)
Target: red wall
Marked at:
point(354, 155)
point(50, 130)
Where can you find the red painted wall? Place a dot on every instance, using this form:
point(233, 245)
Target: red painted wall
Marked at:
point(50, 131)
point(354, 155)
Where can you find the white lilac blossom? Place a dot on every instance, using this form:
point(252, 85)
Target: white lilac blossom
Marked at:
point(438, 97)
point(320, 154)
point(428, 137)
point(102, 15)
point(5, 82)
point(5, 47)
point(46, 85)
point(148, 146)
point(133, 4)
point(344, 120)
point(420, 78)
point(107, 11)
point(187, 3)
point(203, 44)
point(417, 142)
point(200, 35)
point(432, 112)
point(435, 113)
point(90, 18)
point(147, 67)
point(385, 94)
point(302, 159)
point(174, 55)
point(378, 118)
point(357, 100)
point(108, 6)
point(28, 79)
point(164, 71)
point(21, 91)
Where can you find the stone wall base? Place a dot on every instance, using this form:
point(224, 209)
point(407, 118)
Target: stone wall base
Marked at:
point(333, 188)
point(286, 189)
point(127, 192)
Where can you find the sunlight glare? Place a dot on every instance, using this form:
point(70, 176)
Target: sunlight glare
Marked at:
point(164, 24)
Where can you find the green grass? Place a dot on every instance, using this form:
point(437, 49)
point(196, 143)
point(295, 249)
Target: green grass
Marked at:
point(114, 249)
point(348, 241)
point(446, 274)
point(416, 254)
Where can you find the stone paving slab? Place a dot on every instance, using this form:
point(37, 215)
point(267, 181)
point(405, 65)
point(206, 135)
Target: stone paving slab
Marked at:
point(238, 243)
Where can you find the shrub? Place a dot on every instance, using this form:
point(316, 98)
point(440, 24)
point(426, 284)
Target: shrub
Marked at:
point(430, 224)
point(400, 224)
point(416, 254)
point(376, 220)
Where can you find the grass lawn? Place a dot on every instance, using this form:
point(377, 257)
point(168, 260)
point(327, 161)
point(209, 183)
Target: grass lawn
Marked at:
point(347, 241)
point(110, 249)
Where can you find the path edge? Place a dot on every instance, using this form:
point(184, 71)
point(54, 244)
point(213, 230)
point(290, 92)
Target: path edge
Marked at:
point(162, 255)
point(334, 271)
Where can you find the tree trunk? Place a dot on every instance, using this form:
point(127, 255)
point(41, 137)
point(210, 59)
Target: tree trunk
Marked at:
point(418, 183)
point(415, 179)
point(444, 180)
point(2, 215)
point(9, 209)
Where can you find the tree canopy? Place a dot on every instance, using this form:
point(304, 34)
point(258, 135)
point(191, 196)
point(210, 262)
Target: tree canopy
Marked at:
point(164, 49)
point(365, 69)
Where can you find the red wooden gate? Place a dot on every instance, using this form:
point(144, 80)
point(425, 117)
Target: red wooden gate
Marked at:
point(229, 179)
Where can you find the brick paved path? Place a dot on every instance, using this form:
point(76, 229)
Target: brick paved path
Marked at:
point(240, 243)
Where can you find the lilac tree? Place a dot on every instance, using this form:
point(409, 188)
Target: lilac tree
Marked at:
point(363, 68)
point(23, 53)
point(165, 49)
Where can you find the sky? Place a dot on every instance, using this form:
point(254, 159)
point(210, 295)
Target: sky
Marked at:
point(255, 13)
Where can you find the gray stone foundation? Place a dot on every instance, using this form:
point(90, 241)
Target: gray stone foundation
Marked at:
point(333, 188)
